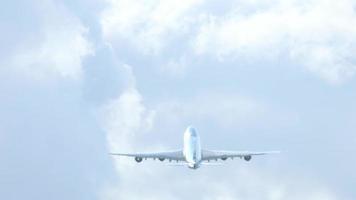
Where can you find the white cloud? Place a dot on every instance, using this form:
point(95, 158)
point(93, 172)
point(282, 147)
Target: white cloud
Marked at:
point(318, 35)
point(146, 24)
point(225, 110)
point(175, 67)
point(127, 120)
point(276, 28)
point(59, 47)
point(126, 117)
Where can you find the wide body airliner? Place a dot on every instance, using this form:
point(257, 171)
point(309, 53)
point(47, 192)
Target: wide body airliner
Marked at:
point(192, 155)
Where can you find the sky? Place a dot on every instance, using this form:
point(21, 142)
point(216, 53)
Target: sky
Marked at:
point(80, 79)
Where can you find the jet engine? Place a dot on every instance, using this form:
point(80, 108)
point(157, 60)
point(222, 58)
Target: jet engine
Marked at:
point(138, 159)
point(223, 158)
point(161, 159)
point(247, 158)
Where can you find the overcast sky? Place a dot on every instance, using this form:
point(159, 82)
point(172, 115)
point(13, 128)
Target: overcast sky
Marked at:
point(82, 78)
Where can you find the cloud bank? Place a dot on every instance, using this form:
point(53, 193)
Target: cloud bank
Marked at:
point(54, 48)
point(129, 124)
point(315, 35)
point(131, 75)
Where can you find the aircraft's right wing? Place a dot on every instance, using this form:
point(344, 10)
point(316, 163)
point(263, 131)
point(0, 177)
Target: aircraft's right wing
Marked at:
point(169, 155)
point(223, 155)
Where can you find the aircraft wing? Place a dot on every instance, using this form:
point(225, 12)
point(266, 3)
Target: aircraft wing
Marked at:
point(215, 155)
point(169, 155)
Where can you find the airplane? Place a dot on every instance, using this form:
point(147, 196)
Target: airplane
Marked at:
point(192, 155)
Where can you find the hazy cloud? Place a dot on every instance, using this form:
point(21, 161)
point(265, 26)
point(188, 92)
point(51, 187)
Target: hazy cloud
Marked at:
point(242, 72)
point(57, 48)
point(126, 116)
point(316, 35)
point(147, 25)
point(130, 126)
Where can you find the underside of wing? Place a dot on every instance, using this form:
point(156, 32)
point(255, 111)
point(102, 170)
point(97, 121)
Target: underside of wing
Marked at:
point(223, 155)
point(169, 155)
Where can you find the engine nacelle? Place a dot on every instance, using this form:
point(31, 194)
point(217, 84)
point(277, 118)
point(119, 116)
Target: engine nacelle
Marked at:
point(161, 159)
point(247, 158)
point(223, 158)
point(138, 159)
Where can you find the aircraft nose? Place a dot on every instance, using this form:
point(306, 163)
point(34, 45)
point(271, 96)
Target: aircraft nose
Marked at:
point(191, 130)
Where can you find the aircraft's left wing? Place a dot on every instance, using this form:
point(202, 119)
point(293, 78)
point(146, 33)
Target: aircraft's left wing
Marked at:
point(169, 155)
point(223, 155)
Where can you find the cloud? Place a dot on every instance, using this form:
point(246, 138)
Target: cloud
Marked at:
point(56, 48)
point(316, 35)
point(146, 24)
point(319, 35)
point(125, 117)
point(224, 110)
point(48, 41)
point(128, 122)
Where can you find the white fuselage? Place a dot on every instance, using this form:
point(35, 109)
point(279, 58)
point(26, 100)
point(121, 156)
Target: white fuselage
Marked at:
point(192, 148)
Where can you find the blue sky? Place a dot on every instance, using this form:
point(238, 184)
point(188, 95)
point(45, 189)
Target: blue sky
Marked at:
point(80, 79)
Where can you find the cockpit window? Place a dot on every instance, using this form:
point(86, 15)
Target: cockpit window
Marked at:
point(193, 132)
